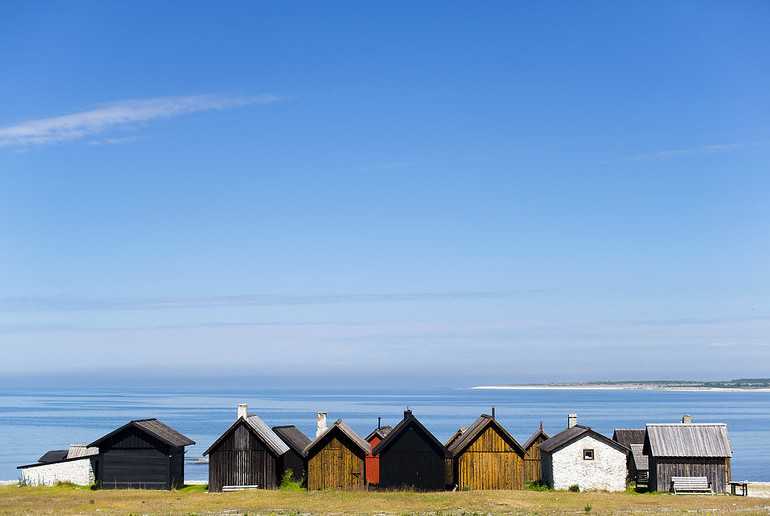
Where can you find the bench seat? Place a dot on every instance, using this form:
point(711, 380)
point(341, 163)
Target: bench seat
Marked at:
point(691, 485)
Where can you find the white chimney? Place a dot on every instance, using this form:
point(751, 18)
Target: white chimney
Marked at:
point(687, 419)
point(571, 420)
point(321, 428)
point(242, 411)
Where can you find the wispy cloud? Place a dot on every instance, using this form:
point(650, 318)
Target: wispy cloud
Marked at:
point(116, 116)
point(683, 153)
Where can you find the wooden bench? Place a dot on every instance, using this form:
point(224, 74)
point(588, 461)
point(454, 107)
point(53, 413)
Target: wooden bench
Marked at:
point(238, 488)
point(691, 485)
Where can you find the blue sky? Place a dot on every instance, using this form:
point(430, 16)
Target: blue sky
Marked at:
point(436, 192)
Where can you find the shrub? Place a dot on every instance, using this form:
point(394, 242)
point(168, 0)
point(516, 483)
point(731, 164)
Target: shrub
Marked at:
point(574, 488)
point(537, 485)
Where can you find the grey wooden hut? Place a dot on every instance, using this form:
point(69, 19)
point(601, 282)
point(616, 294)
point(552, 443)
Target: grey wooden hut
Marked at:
point(143, 453)
point(533, 470)
point(293, 459)
point(688, 450)
point(638, 465)
point(248, 454)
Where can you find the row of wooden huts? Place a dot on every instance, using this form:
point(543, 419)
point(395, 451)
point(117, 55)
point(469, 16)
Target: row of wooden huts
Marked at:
point(250, 454)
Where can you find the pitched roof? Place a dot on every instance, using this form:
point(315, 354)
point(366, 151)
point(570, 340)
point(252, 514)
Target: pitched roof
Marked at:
point(258, 428)
point(153, 427)
point(532, 438)
point(401, 427)
point(479, 426)
point(53, 456)
point(641, 461)
point(380, 432)
point(628, 436)
point(688, 440)
point(574, 433)
point(455, 436)
point(339, 426)
point(81, 450)
point(295, 440)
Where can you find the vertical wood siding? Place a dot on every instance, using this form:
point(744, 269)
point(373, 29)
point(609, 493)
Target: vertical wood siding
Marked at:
point(490, 462)
point(133, 458)
point(241, 459)
point(533, 471)
point(716, 469)
point(373, 464)
point(336, 465)
point(413, 461)
point(296, 463)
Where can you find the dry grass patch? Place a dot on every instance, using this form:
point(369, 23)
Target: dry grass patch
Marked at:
point(69, 500)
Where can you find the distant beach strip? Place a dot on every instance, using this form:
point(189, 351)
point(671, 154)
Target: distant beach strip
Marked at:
point(748, 385)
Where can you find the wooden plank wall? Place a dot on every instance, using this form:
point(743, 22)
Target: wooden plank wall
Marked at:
point(296, 463)
point(241, 459)
point(533, 471)
point(413, 461)
point(133, 458)
point(716, 469)
point(336, 466)
point(373, 464)
point(490, 463)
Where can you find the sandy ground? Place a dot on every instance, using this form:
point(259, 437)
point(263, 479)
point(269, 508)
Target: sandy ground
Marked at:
point(759, 489)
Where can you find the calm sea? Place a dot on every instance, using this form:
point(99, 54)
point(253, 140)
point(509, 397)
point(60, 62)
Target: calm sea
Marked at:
point(33, 421)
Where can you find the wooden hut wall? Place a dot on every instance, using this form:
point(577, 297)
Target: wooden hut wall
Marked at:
point(373, 463)
point(715, 469)
point(296, 463)
point(135, 459)
point(242, 459)
point(413, 461)
point(490, 463)
point(533, 470)
point(336, 463)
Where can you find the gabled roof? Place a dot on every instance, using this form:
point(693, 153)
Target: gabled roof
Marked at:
point(574, 433)
point(294, 439)
point(53, 456)
point(641, 461)
point(380, 432)
point(399, 430)
point(532, 438)
point(339, 426)
point(479, 426)
point(688, 440)
point(153, 427)
point(81, 450)
point(455, 436)
point(258, 428)
point(629, 436)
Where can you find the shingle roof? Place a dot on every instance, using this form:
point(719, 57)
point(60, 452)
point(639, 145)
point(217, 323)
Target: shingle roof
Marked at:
point(533, 437)
point(455, 436)
point(260, 429)
point(688, 440)
point(628, 436)
point(153, 427)
point(570, 435)
point(400, 428)
point(380, 432)
point(343, 427)
point(641, 461)
point(477, 428)
point(291, 435)
point(53, 456)
point(81, 450)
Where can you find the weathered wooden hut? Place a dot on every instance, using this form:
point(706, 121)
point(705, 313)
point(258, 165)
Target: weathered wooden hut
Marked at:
point(633, 439)
point(373, 461)
point(293, 459)
point(533, 471)
point(336, 459)
point(583, 457)
point(688, 450)
point(410, 456)
point(485, 456)
point(143, 453)
point(248, 454)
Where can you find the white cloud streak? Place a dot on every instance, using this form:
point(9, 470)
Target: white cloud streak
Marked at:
point(683, 153)
point(116, 116)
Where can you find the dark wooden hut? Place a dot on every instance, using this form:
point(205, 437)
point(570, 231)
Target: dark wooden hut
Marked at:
point(336, 459)
point(638, 465)
point(533, 470)
point(143, 453)
point(485, 456)
point(373, 461)
point(410, 456)
point(688, 450)
point(293, 459)
point(246, 454)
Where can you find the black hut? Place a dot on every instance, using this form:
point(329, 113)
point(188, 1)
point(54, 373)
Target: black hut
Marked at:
point(410, 456)
point(246, 455)
point(638, 463)
point(143, 453)
point(294, 459)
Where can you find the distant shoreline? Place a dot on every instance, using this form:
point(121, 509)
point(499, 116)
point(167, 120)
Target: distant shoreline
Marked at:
point(620, 386)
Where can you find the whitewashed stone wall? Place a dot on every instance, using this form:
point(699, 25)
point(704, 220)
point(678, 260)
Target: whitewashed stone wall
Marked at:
point(79, 472)
point(606, 472)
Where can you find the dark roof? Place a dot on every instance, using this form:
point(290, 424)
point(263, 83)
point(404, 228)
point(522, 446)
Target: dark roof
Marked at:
point(475, 430)
point(641, 461)
point(339, 426)
point(629, 436)
point(153, 427)
point(574, 433)
point(688, 440)
point(380, 432)
point(400, 428)
point(258, 428)
point(293, 438)
point(532, 438)
point(455, 436)
point(53, 456)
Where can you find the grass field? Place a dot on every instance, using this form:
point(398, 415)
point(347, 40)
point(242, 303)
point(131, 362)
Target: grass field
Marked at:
point(194, 500)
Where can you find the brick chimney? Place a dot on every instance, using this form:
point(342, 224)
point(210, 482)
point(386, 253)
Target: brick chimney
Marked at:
point(687, 419)
point(242, 409)
point(571, 420)
point(321, 427)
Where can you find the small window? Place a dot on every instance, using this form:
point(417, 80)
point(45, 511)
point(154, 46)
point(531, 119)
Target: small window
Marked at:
point(588, 455)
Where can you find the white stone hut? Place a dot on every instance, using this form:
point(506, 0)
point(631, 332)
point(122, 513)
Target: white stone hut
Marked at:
point(75, 465)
